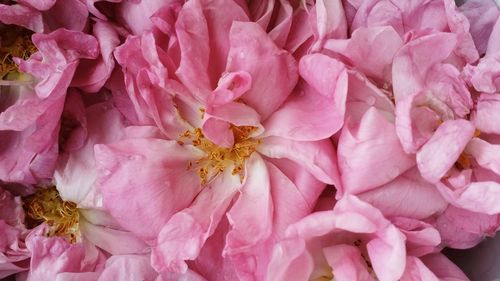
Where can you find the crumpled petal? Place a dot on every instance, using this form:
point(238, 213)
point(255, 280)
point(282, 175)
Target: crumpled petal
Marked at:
point(251, 50)
point(409, 195)
point(315, 110)
point(318, 157)
point(370, 154)
point(375, 61)
point(159, 177)
point(183, 236)
point(443, 149)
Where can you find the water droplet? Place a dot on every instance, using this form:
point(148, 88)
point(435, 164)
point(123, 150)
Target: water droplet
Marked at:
point(106, 172)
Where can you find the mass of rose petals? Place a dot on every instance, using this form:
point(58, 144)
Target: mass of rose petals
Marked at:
point(247, 140)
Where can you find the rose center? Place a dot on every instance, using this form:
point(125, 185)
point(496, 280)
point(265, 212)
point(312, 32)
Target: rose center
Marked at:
point(14, 42)
point(62, 217)
point(217, 158)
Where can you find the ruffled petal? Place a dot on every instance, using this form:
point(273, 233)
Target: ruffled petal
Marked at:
point(160, 177)
point(251, 50)
point(443, 149)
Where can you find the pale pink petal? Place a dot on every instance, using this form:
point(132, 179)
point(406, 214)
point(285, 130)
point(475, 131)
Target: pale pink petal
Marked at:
point(104, 125)
point(375, 61)
point(347, 263)
point(314, 111)
point(128, 268)
point(482, 16)
point(487, 111)
point(387, 253)
point(414, 60)
point(442, 150)
point(160, 178)
point(113, 241)
point(485, 76)
point(421, 237)
point(370, 153)
point(53, 255)
point(183, 236)
point(459, 24)
point(328, 21)
point(415, 122)
point(409, 195)
point(290, 260)
point(39, 5)
point(202, 29)
point(247, 227)
point(251, 50)
point(485, 154)
point(136, 14)
point(318, 157)
point(403, 16)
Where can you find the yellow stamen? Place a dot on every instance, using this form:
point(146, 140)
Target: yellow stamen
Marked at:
point(218, 158)
point(15, 41)
point(62, 217)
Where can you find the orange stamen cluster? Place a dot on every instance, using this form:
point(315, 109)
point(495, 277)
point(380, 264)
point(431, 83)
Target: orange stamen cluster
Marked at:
point(14, 42)
point(62, 217)
point(217, 158)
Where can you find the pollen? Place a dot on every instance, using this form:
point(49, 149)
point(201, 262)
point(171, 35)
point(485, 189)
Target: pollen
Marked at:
point(14, 42)
point(217, 158)
point(62, 217)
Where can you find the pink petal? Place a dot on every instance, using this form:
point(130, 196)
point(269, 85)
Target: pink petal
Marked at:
point(444, 268)
point(487, 111)
point(370, 153)
point(92, 74)
point(409, 195)
point(249, 228)
point(186, 232)
point(75, 177)
point(482, 16)
point(136, 14)
point(204, 43)
point(486, 155)
point(442, 150)
point(290, 260)
point(472, 227)
point(415, 59)
point(347, 263)
point(39, 5)
point(53, 255)
point(23, 16)
point(318, 157)
point(416, 271)
point(252, 50)
point(459, 25)
point(160, 178)
point(329, 21)
point(375, 61)
point(387, 253)
point(128, 267)
point(317, 111)
point(113, 241)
